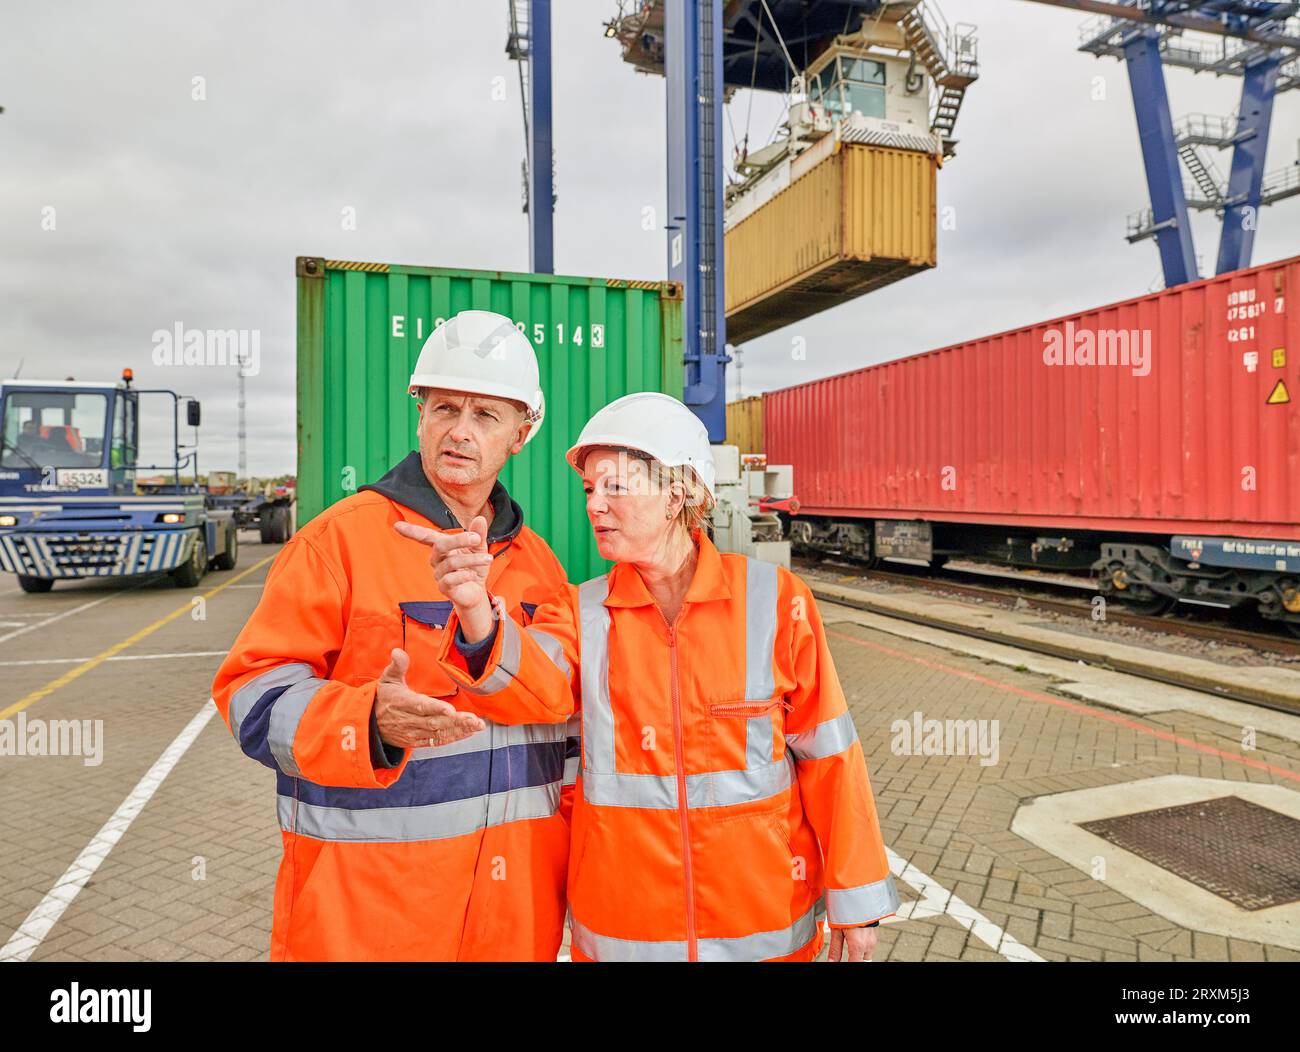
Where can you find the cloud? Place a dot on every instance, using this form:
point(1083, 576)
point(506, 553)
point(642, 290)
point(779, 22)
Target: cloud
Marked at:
point(174, 210)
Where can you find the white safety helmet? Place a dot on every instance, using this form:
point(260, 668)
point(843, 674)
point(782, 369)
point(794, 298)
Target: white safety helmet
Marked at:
point(480, 352)
point(653, 423)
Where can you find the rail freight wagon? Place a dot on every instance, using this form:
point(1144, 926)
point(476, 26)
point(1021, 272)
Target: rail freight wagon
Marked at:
point(1154, 441)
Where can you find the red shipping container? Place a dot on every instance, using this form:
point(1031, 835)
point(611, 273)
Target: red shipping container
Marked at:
point(1175, 412)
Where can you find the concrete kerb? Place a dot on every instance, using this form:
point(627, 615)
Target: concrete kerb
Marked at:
point(1094, 670)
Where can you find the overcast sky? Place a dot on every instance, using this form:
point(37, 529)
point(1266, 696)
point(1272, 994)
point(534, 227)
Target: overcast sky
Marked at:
point(168, 209)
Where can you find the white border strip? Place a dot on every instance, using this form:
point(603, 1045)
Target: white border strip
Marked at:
point(936, 901)
point(59, 617)
point(117, 657)
point(23, 943)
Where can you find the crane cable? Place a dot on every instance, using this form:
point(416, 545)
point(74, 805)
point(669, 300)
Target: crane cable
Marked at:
point(780, 39)
point(753, 79)
point(789, 61)
point(523, 92)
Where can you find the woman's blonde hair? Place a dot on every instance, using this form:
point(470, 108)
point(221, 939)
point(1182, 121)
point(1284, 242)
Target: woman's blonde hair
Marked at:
point(698, 506)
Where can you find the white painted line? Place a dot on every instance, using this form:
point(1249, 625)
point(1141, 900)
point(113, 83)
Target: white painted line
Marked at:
point(59, 617)
point(119, 657)
point(23, 943)
point(937, 901)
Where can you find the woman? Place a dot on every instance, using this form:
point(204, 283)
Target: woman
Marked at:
point(723, 795)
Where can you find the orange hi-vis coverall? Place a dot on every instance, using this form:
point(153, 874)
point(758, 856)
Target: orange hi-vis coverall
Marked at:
point(451, 853)
point(723, 797)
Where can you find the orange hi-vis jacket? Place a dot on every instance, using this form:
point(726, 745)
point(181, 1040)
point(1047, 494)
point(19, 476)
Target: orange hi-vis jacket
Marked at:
point(723, 797)
point(451, 853)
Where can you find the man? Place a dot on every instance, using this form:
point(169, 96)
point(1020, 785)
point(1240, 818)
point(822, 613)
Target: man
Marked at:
point(412, 829)
point(29, 438)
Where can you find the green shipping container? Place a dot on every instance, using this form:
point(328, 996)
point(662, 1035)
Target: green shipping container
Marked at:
point(361, 327)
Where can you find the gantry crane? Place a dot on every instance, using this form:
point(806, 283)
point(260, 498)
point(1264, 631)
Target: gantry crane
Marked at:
point(706, 49)
point(1257, 40)
point(529, 44)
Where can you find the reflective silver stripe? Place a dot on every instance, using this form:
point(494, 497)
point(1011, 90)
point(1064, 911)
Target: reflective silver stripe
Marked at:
point(506, 735)
point(429, 822)
point(246, 696)
point(760, 628)
point(760, 946)
point(758, 741)
point(612, 789)
point(286, 714)
point(551, 647)
point(507, 665)
point(597, 712)
point(760, 642)
point(763, 945)
point(570, 771)
point(863, 904)
point(725, 788)
point(710, 789)
point(826, 739)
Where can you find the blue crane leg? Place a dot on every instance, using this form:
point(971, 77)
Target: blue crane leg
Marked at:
point(693, 71)
point(1241, 214)
point(541, 192)
point(1160, 155)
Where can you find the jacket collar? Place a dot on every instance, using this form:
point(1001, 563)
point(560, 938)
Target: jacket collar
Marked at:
point(406, 484)
point(626, 587)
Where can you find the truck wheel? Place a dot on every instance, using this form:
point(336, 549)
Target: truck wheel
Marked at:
point(35, 584)
point(196, 565)
point(279, 524)
point(227, 559)
point(266, 525)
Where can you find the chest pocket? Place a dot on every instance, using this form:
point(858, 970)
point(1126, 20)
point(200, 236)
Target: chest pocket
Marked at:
point(423, 624)
point(760, 709)
point(437, 613)
point(431, 615)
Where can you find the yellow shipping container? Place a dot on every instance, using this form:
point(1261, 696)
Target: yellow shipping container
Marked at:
point(860, 219)
point(745, 424)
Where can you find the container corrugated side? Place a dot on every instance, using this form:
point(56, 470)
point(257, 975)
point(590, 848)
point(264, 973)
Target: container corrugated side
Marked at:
point(360, 330)
point(987, 431)
point(745, 424)
point(861, 219)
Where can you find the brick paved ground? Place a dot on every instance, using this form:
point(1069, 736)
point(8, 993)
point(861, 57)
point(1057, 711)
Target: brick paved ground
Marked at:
point(951, 817)
point(214, 816)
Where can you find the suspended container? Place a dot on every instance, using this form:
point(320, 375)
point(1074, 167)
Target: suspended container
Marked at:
point(855, 217)
point(361, 327)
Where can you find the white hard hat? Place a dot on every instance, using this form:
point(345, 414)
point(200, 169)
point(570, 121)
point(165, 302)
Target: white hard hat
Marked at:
point(480, 352)
point(653, 423)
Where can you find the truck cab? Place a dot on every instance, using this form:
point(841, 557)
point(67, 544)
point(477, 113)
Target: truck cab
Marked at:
point(70, 503)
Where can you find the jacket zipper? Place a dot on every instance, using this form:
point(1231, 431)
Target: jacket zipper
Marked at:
point(746, 709)
point(683, 817)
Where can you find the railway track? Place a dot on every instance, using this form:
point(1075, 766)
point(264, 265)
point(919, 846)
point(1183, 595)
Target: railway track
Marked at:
point(1218, 633)
point(1081, 609)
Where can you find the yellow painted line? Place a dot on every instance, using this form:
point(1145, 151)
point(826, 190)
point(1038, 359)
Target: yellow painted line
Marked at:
point(99, 659)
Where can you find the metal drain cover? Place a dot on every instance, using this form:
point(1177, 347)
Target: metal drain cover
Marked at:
point(1247, 854)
